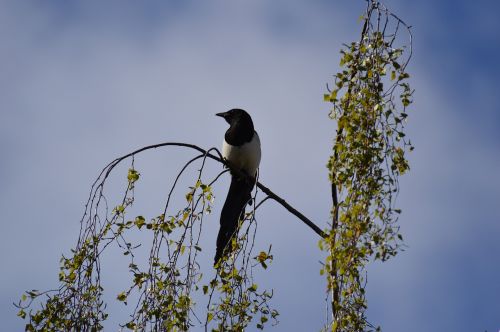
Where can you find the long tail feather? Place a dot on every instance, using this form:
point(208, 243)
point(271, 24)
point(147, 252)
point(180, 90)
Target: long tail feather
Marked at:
point(238, 196)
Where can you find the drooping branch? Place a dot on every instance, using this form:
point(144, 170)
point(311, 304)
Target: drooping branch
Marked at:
point(163, 284)
point(219, 159)
point(370, 99)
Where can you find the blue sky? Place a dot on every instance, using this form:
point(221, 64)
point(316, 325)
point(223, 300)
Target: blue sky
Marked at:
point(85, 81)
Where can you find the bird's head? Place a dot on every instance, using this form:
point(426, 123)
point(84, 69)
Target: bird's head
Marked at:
point(235, 116)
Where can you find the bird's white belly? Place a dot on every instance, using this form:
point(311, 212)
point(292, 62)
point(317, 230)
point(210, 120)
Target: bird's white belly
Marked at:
point(245, 157)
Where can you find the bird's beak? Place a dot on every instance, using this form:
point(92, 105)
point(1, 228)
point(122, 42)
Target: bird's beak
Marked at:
point(222, 115)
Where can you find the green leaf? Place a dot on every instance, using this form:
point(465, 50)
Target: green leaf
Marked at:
point(139, 221)
point(131, 325)
point(119, 209)
point(262, 256)
point(21, 314)
point(132, 175)
point(121, 297)
point(403, 76)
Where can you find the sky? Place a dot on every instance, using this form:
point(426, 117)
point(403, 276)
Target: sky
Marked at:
point(86, 81)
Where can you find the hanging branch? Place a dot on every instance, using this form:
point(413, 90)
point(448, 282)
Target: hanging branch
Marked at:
point(107, 170)
point(367, 160)
point(163, 289)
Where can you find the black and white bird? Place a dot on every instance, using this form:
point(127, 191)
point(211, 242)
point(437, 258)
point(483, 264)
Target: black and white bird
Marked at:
point(241, 149)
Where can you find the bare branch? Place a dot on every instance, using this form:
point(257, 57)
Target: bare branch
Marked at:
point(107, 170)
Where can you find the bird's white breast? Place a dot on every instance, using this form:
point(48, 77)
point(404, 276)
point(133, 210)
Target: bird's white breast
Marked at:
point(245, 157)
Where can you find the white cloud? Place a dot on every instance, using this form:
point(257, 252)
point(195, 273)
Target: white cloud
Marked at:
point(80, 91)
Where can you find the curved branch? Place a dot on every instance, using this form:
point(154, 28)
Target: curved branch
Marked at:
point(219, 158)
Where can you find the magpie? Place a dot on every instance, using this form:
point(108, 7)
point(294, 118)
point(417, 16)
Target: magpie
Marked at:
point(241, 150)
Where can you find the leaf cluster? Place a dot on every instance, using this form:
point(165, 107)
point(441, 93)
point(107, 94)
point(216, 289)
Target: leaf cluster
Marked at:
point(369, 103)
point(162, 290)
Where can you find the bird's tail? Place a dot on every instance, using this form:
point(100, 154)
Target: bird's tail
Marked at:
point(234, 207)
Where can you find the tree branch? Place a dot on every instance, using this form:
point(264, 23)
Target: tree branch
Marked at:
point(219, 158)
point(292, 210)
